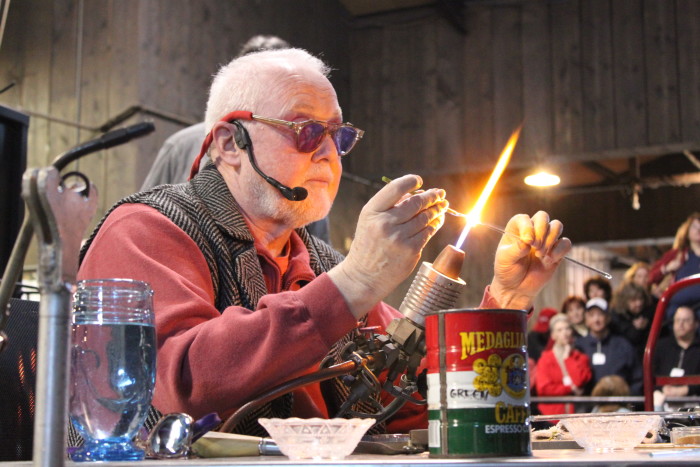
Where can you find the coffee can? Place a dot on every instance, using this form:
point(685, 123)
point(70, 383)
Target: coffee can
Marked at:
point(478, 386)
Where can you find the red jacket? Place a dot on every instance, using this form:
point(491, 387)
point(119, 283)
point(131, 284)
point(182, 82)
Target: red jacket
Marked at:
point(549, 378)
point(655, 275)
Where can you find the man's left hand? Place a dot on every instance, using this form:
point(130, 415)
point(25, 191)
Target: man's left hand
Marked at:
point(523, 266)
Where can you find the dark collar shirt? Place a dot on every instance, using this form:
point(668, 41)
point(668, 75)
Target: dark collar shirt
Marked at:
point(669, 355)
point(619, 358)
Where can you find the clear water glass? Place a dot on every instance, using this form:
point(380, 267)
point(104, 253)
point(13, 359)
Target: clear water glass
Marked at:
point(113, 363)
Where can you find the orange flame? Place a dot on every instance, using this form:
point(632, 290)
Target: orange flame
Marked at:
point(474, 216)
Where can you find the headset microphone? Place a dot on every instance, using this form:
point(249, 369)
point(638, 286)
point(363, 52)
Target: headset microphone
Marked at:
point(242, 138)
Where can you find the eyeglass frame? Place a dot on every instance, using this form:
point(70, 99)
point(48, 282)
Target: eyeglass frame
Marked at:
point(247, 115)
point(328, 128)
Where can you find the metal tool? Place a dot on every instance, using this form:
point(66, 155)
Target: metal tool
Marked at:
point(449, 210)
point(576, 262)
point(498, 229)
point(60, 216)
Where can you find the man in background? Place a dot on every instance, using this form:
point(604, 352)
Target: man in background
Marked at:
point(609, 353)
point(174, 160)
point(678, 355)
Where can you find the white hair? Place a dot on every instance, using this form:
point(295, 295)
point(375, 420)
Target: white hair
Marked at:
point(248, 81)
point(559, 317)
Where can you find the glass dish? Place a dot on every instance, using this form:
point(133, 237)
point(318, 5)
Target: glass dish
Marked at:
point(604, 432)
point(686, 435)
point(316, 438)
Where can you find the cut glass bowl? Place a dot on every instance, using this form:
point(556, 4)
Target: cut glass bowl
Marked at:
point(611, 431)
point(316, 438)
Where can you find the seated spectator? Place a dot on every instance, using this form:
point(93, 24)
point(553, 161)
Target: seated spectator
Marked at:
point(574, 308)
point(598, 286)
point(561, 370)
point(609, 353)
point(637, 274)
point(611, 386)
point(678, 355)
point(633, 315)
point(538, 337)
point(681, 261)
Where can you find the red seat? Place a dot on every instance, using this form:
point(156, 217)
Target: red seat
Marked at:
point(651, 381)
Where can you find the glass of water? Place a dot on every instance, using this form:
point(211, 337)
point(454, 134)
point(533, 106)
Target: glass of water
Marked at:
point(113, 362)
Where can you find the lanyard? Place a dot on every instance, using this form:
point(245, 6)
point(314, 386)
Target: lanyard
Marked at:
point(680, 359)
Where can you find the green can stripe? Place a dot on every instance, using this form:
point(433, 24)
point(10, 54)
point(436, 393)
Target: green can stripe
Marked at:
point(477, 433)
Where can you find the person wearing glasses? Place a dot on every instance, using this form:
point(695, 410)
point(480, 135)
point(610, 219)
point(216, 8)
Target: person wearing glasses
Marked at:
point(244, 297)
point(174, 159)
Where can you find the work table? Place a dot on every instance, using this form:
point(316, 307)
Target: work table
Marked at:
point(539, 457)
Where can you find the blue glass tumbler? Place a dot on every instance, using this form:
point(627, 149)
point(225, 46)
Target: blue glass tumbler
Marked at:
point(113, 363)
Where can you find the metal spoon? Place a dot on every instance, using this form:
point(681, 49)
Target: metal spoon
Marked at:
point(171, 437)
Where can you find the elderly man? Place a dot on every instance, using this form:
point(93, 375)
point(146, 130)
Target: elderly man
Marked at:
point(244, 297)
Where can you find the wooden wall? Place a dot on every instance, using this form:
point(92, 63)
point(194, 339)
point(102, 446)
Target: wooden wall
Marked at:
point(586, 77)
point(589, 79)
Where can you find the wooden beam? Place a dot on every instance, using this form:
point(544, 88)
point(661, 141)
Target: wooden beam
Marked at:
point(601, 170)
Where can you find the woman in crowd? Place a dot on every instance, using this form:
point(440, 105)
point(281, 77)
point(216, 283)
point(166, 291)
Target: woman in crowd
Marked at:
point(597, 287)
point(681, 261)
point(561, 370)
point(632, 315)
point(574, 308)
point(637, 274)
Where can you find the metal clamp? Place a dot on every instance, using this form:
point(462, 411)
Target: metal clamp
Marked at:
point(60, 216)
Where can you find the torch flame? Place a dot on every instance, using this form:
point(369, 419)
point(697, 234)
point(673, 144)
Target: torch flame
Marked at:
point(474, 216)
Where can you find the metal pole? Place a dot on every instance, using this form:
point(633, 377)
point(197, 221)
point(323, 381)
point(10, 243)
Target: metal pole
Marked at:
point(52, 376)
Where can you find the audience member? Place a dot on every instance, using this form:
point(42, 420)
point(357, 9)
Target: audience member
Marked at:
point(679, 355)
point(174, 160)
point(681, 261)
point(538, 338)
point(611, 386)
point(597, 286)
point(561, 370)
point(609, 353)
point(638, 274)
point(633, 315)
point(574, 308)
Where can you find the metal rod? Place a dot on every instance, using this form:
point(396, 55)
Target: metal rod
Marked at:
point(52, 377)
point(593, 400)
point(449, 210)
point(498, 229)
point(576, 262)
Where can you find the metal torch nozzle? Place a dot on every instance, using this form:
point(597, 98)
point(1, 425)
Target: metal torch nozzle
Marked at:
point(437, 286)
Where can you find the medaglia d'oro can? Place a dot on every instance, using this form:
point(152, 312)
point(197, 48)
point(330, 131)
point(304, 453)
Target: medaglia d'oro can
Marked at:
point(478, 394)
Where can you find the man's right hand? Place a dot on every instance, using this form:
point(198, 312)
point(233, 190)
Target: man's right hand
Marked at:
point(392, 230)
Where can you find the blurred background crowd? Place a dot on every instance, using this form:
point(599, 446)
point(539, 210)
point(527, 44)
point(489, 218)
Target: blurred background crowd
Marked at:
point(594, 344)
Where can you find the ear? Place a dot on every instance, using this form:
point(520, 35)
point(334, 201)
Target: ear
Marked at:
point(225, 143)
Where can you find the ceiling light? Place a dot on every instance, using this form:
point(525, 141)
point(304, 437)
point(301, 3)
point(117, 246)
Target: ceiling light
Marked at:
point(542, 179)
